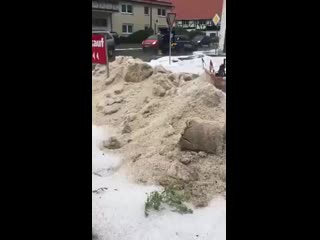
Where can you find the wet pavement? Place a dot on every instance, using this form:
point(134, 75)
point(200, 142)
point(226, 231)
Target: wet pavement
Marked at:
point(136, 51)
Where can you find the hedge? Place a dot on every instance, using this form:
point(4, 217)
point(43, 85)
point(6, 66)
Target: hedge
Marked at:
point(136, 37)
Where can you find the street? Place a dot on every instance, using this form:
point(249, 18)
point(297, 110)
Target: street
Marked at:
point(135, 51)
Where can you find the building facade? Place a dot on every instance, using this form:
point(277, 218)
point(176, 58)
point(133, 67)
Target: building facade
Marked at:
point(102, 12)
point(197, 15)
point(128, 16)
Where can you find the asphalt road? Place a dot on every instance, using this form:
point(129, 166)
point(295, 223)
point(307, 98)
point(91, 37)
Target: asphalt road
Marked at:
point(135, 51)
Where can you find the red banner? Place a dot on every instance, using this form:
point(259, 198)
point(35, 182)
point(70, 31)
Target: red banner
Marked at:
point(99, 50)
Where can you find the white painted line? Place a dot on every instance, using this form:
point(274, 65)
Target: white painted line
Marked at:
point(125, 49)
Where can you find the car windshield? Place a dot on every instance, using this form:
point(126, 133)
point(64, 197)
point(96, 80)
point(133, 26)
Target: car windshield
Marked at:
point(153, 37)
point(182, 38)
point(199, 37)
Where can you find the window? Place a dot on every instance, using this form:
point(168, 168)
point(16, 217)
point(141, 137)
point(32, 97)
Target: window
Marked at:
point(212, 35)
point(109, 36)
point(126, 8)
point(182, 38)
point(161, 12)
point(146, 11)
point(153, 37)
point(99, 22)
point(127, 28)
point(123, 8)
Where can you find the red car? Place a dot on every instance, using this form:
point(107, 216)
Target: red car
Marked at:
point(151, 43)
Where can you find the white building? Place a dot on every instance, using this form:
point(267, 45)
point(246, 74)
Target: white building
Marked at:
point(128, 16)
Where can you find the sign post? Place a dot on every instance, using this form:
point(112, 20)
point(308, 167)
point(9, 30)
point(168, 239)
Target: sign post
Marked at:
point(171, 17)
point(107, 65)
point(100, 51)
point(216, 20)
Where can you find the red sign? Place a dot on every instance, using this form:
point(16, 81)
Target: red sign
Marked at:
point(99, 49)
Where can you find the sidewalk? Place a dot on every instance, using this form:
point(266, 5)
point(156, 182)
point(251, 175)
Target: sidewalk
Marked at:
point(128, 46)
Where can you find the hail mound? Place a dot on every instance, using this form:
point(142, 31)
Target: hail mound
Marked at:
point(157, 115)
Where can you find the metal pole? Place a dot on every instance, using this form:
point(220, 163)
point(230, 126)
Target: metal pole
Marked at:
point(170, 45)
point(107, 65)
point(150, 16)
point(111, 22)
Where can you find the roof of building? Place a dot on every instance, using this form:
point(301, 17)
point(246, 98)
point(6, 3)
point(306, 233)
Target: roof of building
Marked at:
point(196, 9)
point(156, 2)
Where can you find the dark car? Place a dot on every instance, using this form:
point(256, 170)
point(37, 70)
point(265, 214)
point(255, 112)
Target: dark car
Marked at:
point(115, 37)
point(201, 40)
point(164, 42)
point(183, 43)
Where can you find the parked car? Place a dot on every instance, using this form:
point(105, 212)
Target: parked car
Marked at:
point(115, 37)
point(183, 42)
point(201, 40)
point(164, 42)
point(110, 41)
point(151, 43)
point(214, 37)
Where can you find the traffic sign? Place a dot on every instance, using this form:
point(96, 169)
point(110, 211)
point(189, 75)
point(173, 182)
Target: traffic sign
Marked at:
point(99, 49)
point(216, 19)
point(171, 17)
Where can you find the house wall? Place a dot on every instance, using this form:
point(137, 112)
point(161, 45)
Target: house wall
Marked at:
point(96, 18)
point(138, 19)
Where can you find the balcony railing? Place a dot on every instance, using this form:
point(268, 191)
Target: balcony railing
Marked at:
point(105, 5)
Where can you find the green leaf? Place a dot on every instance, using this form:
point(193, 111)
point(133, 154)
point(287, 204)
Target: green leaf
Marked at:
point(169, 196)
